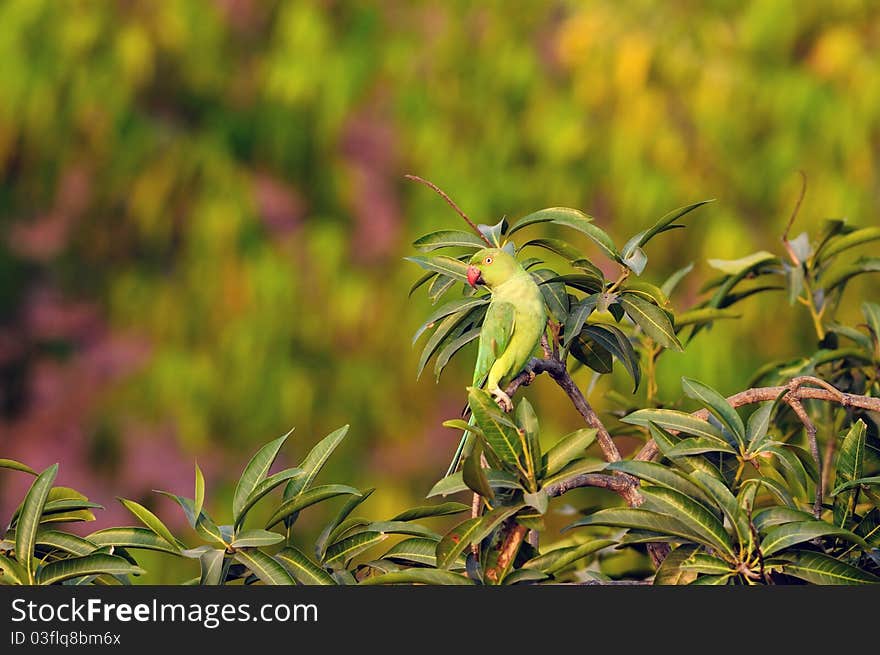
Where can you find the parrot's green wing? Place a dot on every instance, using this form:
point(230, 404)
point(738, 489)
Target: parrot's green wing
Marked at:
point(495, 336)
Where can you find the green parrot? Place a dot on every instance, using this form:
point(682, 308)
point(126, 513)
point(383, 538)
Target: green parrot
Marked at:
point(511, 330)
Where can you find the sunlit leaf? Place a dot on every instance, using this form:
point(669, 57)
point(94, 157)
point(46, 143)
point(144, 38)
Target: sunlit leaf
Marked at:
point(651, 319)
point(29, 520)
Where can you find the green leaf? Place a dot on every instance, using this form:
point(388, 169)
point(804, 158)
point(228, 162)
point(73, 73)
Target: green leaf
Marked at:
point(502, 438)
point(416, 550)
point(558, 559)
point(557, 215)
point(342, 552)
point(613, 340)
point(692, 514)
point(697, 446)
point(211, 566)
point(11, 572)
point(439, 286)
point(578, 316)
point(587, 283)
point(29, 519)
point(783, 536)
point(453, 347)
point(264, 567)
point(672, 282)
point(12, 465)
point(199, 490)
point(660, 475)
point(553, 292)
point(574, 469)
point(651, 319)
point(661, 225)
point(780, 492)
point(458, 307)
point(748, 263)
point(838, 244)
point(789, 462)
point(590, 353)
point(636, 261)
point(304, 570)
point(474, 476)
point(638, 519)
point(647, 291)
point(567, 449)
point(263, 488)
point(328, 534)
point(256, 538)
point(562, 248)
point(314, 462)
point(718, 405)
point(872, 480)
point(149, 519)
point(494, 232)
point(527, 421)
point(448, 239)
point(401, 527)
point(759, 423)
point(445, 265)
point(491, 520)
point(702, 563)
point(818, 568)
point(69, 543)
point(133, 538)
point(418, 576)
point(454, 483)
point(427, 277)
point(871, 312)
point(524, 576)
point(308, 498)
point(672, 419)
point(839, 276)
point(714, 580)
point(770, 516)
point(726, 501)
point(666, 441)
point(345, 529)
point(455, 541)
point(94, 564)
point(427, 511)
point(850, 463)
point(254, 473)
point(671, 571)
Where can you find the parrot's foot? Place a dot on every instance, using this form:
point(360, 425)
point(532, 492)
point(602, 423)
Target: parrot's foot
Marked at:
point(502, 399)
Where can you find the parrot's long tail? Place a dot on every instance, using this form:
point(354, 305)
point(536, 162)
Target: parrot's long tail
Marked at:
point(465, 446)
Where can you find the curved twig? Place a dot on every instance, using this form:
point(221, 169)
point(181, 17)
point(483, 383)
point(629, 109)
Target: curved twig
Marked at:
point(449, 201)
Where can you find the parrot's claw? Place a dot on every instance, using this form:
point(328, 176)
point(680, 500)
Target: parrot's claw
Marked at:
point(503, 400)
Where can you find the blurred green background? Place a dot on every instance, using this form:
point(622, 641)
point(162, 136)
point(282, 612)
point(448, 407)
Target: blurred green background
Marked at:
point(203, 215)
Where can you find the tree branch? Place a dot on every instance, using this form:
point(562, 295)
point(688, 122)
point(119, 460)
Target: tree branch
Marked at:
point(796, 391)
point(556, 370)
point(810, 427)
point(619, 484)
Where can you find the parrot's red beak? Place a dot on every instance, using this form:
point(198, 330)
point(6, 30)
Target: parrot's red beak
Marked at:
point(474, 276)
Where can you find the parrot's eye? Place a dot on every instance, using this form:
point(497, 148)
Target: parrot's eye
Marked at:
point(488, 260)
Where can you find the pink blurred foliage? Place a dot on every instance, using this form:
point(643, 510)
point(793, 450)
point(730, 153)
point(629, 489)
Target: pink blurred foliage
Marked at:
point(45, 236)
point(368, 149)
point(281, 207)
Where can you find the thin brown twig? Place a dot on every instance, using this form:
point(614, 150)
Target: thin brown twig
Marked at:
point(763, 394)
point(810, 427)
point(794, 213)
point(451, 203)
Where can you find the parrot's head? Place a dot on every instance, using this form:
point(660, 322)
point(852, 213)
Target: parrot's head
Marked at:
point(492, 266)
